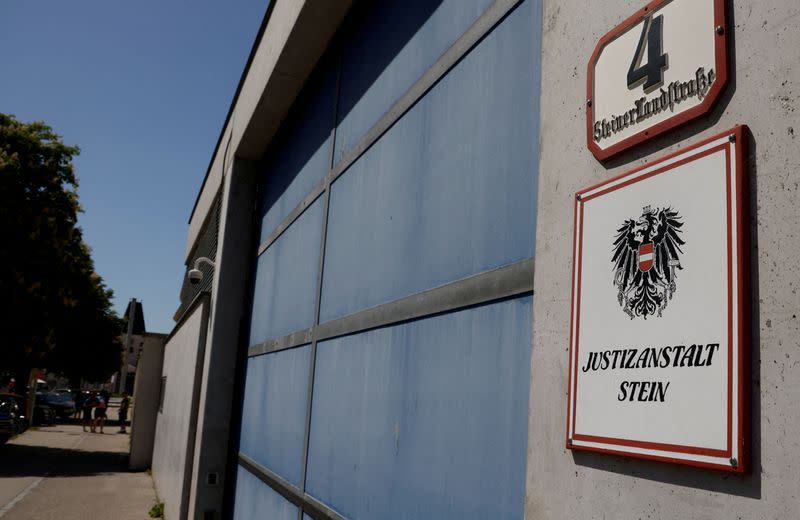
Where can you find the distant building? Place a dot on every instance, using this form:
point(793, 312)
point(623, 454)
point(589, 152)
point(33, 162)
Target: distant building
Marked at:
point(133, 346)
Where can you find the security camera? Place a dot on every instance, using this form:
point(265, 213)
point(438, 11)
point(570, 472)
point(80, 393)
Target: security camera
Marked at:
point(195, 276)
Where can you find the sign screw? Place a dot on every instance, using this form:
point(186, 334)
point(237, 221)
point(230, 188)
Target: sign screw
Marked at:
point(588, 102)
point(578, 196)
point(731, 138)
point(720, 30)
point(734, 462)
point(569, 441)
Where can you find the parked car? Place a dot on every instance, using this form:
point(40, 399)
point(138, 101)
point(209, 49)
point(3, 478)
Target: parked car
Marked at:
point(62, 404)
point(12, 416)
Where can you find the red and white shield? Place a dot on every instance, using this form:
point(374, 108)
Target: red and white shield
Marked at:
point(646, 257)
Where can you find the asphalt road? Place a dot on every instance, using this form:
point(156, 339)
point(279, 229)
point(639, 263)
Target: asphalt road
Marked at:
point(61, 473)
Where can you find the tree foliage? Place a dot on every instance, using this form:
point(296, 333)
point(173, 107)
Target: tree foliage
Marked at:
point(55, 311)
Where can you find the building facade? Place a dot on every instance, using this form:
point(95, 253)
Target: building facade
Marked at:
point(388, 322)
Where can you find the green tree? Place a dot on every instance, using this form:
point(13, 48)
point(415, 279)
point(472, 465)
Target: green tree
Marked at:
point(55, 311)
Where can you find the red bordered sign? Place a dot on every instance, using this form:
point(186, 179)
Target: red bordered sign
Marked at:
point(662, 67)
point(659, 334)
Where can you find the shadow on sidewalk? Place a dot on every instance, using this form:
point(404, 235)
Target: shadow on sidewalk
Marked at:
point(17, 460)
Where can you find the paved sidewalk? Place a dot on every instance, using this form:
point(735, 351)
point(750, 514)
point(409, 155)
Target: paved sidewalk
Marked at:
point(61, 473)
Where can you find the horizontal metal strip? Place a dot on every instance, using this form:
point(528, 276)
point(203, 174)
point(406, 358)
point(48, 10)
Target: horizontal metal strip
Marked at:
point(492, 285)
point(446, 61)
point(295, 339)
point(319, 510)
point(289, 491)
point(292, 216)
point(499, 283)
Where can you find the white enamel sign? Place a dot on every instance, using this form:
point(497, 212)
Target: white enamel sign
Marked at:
point(659, 328)
point(664, 66)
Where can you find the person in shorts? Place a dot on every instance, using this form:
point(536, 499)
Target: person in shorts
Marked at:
point(123, 412)
point(100, 414)
point(87, 405)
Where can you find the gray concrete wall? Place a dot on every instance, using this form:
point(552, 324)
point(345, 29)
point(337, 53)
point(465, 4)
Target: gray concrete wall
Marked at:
point(228, 297)
point(145, 403)
point(173, 451)
point(765, 94)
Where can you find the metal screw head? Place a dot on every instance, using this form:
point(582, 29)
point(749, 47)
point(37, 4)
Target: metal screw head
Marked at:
point(734, 462)
point(588, 102)
point(569, 441)
point(720, 30)
point(578, 196)
point(731, 138)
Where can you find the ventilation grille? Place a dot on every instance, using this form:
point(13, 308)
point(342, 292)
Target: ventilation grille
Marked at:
point(206, 245)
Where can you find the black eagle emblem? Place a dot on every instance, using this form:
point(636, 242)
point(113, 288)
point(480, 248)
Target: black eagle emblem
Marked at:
point(646, 256)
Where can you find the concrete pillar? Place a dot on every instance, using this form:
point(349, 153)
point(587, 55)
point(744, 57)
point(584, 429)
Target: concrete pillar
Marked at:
point(228, 297)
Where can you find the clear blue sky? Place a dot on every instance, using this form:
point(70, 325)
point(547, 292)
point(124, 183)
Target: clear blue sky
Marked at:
point(143, 87)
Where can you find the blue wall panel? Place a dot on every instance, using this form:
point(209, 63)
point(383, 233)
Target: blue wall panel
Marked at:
point(299, 157)
point(391, 45)
point(254, 499)
point(286, 279)
point(426, 419)
point(450, 190)
point(274, 411)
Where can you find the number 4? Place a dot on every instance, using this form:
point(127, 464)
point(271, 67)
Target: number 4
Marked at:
point(653, 71)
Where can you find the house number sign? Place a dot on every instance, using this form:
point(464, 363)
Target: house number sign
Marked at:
point(662, 67)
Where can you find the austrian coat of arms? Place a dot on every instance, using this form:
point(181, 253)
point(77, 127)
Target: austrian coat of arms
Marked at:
point(646, 256)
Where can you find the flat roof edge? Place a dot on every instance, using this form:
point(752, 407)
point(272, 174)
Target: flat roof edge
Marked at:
point(292, 38)
point(253, 49)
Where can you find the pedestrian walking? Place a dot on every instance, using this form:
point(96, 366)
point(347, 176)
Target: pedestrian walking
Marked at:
point(88, 403)
point(123, 412)
point(100, 414)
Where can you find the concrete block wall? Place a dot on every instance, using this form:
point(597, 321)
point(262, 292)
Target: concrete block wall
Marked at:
point(145, 403)
point(764, 93)
point(173, 451)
